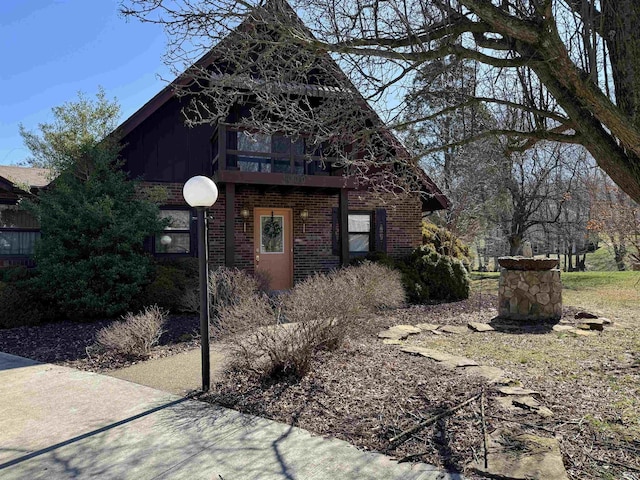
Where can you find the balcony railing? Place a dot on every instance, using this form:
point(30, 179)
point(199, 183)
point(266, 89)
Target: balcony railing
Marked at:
point(257, 158)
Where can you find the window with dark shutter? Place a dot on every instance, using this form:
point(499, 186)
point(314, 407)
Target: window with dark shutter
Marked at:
point(360, 233)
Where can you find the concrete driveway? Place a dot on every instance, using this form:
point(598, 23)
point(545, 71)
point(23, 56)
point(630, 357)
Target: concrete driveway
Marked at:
point(59, 423)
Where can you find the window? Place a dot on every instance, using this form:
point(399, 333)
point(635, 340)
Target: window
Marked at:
point(259, 152)
point(19, 231)
point(271, 234)
point(360, 233)
point(176, 237)
point(366, 231)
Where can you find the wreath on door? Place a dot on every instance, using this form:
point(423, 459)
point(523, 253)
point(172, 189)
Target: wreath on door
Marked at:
point(271, 230)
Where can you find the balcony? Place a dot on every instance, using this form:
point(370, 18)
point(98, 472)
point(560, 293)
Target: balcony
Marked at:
point(239, 156)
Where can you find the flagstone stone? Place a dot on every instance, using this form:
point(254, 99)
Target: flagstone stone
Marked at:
point(480, 327)
point(427, 326)
point(410, 329)
point(428, 353)
point(454, 329)
point(592, 324)
point(490, 374)
point(584, 333)
point(563, 328)
point(517, 391)
point(522, 456)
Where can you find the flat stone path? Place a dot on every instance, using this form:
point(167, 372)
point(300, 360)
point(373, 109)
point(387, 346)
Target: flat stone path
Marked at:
point(522, 456)
point(540, 457)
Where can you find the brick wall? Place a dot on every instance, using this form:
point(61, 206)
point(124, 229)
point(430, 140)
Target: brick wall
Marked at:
point(404, 217)
point(312, 250)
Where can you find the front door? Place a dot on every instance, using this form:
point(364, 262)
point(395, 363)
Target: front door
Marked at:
point(273, 246)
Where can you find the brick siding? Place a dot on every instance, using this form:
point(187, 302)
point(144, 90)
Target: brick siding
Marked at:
point(312, 250)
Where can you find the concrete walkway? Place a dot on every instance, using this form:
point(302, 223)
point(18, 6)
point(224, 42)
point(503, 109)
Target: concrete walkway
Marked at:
point(59, 423)
point(179, 373)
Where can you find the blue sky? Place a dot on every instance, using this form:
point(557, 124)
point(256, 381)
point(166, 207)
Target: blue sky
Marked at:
point(51, 49)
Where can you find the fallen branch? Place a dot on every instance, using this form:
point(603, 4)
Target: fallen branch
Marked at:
point(485, 440)
point(398, 439)
point(414, 455)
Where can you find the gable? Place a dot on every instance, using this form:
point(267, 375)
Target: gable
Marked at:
point(162, 148)
point(156, 150)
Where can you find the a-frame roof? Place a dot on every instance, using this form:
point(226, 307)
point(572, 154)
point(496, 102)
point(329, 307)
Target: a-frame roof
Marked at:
point(432, 196)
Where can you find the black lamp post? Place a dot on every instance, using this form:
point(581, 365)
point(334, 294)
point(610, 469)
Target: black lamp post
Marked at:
point(201, 192)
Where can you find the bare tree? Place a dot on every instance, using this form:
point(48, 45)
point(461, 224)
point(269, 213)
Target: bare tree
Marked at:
point(514, 191)
point(586, 54)
point(616, 218)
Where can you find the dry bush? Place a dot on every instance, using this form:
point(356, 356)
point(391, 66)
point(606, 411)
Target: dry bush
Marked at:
point(333, 302)
point(259, 340)
point(134, 335)
point(227, 286)
point(327, 304)
point(319, 312)
point(378, 287)
point(230, 286)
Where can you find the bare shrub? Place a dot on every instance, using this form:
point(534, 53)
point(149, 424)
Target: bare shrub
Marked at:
point(378, 287)
point(227, 286)
point(230, 286)
point(325, 303)
point(135, 334)
point(261, 342)
point(333, 302)
point(280, 335)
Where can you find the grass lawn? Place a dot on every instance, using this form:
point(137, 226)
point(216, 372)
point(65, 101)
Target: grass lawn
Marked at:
point(589, 380)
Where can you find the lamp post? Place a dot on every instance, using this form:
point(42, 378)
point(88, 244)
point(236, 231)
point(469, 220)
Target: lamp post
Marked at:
point(201, 192)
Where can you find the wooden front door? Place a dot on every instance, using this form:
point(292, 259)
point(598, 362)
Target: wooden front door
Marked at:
point(273, 246)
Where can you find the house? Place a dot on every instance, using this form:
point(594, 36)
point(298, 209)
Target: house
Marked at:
point(285, 209)
point(18, 229)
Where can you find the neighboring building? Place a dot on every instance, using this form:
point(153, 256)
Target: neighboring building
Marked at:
point(18, 229)
point(283, 210)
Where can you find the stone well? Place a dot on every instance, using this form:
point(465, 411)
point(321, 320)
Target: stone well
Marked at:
point(529, 289)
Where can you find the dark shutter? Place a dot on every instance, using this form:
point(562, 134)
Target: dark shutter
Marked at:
point(335, 236)
point(381, 230)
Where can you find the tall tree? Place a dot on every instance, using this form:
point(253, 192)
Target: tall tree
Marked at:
point(78, 126)
point(501, 186)
point(585, 53)
point(90, 258)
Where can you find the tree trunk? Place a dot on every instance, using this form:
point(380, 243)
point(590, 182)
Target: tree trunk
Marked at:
point(570, 257)
point(619, 252)
point(515, 242)
point(620, 19)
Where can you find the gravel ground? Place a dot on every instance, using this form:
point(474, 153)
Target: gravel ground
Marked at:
point(70, 343)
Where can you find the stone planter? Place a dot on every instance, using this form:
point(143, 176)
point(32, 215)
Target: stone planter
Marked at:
point(530, 294)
